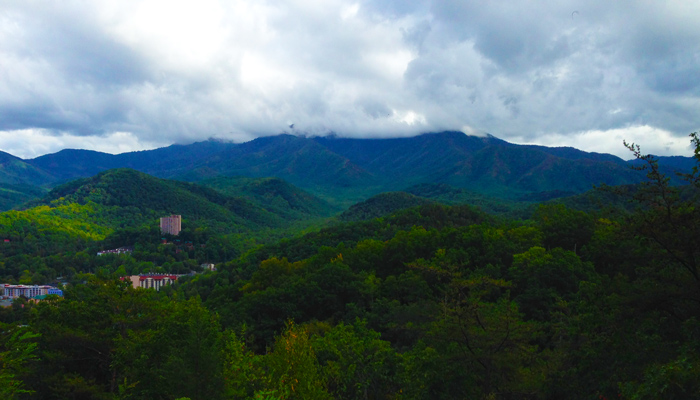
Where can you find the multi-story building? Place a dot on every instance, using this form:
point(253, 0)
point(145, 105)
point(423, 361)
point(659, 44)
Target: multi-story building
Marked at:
point(171, 224)
point(14, 291)
point(151, 281)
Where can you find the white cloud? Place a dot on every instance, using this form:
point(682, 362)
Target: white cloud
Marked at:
point(663, 142)
point(31, 143)
point(185, 70)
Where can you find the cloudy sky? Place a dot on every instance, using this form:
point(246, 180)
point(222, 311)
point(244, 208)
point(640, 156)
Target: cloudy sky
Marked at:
point(126, 75)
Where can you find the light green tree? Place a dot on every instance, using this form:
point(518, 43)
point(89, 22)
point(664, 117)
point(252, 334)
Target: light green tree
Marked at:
point(293, 369)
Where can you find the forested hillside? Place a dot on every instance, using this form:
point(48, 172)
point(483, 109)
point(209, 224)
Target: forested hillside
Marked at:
point(380, 205)
point(276, 194)
point(60, 234)
point(13, 195)
point(428, 302)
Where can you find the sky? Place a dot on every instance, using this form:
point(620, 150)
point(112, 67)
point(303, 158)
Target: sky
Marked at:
point(123, 75)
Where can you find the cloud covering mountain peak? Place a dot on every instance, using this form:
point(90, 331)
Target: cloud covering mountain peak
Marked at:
point(128, 75)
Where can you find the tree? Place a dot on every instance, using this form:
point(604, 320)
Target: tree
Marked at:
point(293, 369)
point(543, 278)
point(564, 227)
point(244, 373)
point(357, 363)
point(17, 350)
point(483, 330)
point(176, 352)
point(669, 226)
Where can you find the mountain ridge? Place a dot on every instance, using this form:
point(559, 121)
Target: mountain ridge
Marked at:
point(354, 169)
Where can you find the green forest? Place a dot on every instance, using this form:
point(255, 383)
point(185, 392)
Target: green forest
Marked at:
point(399, 297)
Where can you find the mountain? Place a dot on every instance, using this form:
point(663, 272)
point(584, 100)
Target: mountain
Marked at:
point(571, 153)
point(523, 169)
point(669, 166)
point(14, 170)
point(485, 164)
point(405, 161)
point(70, 163)
point(344, 171)
point(297, 160)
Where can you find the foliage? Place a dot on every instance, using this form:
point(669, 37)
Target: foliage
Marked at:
point(244, 372)
point(381, 205)
point(293, 370)
point(274, 194)
point(12, 196)
point(357, 364)
point(17, 350)
point(429, 302)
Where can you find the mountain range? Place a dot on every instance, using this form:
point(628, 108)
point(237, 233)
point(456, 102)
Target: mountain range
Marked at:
point(344, 171)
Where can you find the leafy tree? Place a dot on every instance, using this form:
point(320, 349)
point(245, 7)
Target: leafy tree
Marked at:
point(484, 331)
point(175, 351)
point(357, 363)
point(243, 371)
point(543, 278)
point(193, 366)
point(564, 227)
point(17, 351)
point(293, 369)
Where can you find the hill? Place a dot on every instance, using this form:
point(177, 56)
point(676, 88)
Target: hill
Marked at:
point(69, 164)
point(60, 233)
point(450, 195)
point(139, 197)
point(381, 205)
point(273, 194)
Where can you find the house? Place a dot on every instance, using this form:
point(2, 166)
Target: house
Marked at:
point(121, 250)
point(208, 267)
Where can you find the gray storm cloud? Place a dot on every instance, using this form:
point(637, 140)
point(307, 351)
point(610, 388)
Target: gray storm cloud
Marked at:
point(138, 74)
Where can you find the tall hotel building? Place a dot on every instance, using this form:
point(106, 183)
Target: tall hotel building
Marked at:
point(171, 224)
